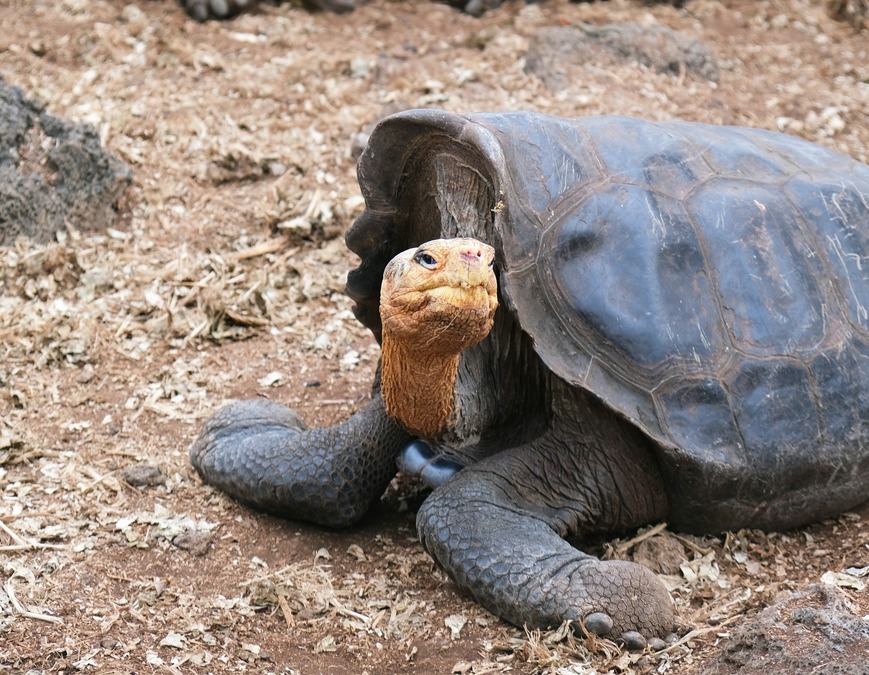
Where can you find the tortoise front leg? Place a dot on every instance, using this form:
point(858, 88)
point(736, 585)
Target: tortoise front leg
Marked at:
point(497, 527)
point(259, 452)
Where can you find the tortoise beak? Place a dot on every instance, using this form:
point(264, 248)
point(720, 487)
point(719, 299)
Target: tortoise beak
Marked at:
point(467, 278)
point(473, 267)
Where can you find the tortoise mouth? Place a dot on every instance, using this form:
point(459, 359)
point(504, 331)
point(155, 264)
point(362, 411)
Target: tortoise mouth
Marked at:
point(447, 321)
point(466, 297)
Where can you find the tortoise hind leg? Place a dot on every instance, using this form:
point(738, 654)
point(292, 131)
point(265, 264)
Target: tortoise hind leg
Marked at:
point(497, 527)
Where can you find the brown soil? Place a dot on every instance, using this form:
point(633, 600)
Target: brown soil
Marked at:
point(226, 281)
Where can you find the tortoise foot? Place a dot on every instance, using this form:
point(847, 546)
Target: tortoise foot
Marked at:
point(630, 605)
point(516, 565)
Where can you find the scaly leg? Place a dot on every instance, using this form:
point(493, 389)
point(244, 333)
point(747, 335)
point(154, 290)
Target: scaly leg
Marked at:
point(260, 453)
point(497, 527)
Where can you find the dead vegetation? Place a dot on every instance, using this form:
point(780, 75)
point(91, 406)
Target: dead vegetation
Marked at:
point(227, 283)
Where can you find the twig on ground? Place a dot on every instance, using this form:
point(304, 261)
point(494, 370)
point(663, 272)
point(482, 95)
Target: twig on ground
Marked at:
point(626, 546)
point(690, 544)
point(23, 611)
point(263, 248)
point(697, 632)
point(30, 546)
point(286, 611)
point(13, 535)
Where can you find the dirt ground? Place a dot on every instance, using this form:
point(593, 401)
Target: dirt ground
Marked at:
point(223, 280)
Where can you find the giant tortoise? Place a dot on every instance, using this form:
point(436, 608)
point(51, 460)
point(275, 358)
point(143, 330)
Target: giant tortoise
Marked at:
point(681, 333)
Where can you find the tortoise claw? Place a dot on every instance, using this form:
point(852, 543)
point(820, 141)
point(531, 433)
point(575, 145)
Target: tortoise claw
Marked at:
point(599, 623)
point(203, 10)
point(633, 641)
point(656, 644)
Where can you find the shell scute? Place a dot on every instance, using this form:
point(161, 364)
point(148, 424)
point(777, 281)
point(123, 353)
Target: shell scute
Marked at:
point(839, 213)
point(699, 416)
point(660, 157)
point(760, 249)
point(630, 263)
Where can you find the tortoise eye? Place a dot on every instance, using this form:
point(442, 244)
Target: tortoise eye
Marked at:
point(425, 259)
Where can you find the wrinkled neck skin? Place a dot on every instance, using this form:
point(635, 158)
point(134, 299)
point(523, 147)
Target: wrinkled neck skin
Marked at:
point(419, 390)
point(487, 398)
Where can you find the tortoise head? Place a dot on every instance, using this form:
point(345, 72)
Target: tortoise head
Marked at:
point(435, 300)
point(440, 297)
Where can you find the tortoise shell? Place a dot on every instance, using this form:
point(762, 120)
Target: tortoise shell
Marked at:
point(709, 283)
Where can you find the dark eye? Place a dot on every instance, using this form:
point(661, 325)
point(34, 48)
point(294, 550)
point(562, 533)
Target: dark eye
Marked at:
point(426, 260)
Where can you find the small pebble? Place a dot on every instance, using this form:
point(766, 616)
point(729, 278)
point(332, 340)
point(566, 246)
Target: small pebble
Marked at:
point(109, 642)
point(195, 542)
point(144, 475)
point(86, 374)
point(644, 664)
point(132, 14)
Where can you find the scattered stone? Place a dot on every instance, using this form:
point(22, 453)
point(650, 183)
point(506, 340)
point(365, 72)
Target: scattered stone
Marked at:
point(811, 631)
point(86, 375)
point(197, 542)
point(455, 622)
point(54, 173)
point(144, 475)
point(555, 53)
point(109, 642)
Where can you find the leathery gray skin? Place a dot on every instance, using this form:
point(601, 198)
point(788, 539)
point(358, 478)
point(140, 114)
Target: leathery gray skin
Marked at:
point(496, 526)
point(499, 526)
point(261, 453)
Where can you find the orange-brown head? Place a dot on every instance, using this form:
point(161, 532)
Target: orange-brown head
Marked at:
point(440, 297)
point(436, 300)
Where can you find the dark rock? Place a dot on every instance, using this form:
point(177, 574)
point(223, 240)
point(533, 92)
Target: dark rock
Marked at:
point(54, 172)
point(815, 630)
point(555, 53)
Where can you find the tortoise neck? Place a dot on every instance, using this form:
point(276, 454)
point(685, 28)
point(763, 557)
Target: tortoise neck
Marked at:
point(418, 388)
